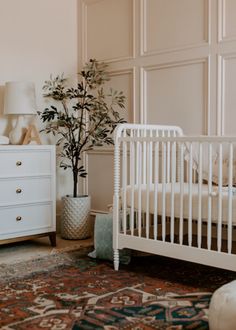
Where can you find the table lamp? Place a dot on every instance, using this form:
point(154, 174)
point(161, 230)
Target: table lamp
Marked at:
point(19, 100)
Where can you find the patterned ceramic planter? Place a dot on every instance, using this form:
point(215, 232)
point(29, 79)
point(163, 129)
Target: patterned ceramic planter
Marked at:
point(75, 222)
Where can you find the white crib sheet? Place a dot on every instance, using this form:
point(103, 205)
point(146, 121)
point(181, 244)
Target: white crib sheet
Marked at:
point(195, 202)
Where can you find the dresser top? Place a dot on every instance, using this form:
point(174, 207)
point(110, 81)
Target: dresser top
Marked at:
point(9, 147)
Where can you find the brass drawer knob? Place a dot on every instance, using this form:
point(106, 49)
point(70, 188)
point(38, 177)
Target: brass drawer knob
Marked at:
point(19, 218)
point(18, 163)
point(18, 190)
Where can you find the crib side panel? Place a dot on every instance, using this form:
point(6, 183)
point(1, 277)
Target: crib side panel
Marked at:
point(176, 191)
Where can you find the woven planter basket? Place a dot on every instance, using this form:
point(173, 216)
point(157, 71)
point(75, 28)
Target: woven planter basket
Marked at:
point(75, 221)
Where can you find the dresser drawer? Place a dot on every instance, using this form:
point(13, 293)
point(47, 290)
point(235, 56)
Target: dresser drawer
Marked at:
point(20, 221)
point(21, 162)
point(25, 190)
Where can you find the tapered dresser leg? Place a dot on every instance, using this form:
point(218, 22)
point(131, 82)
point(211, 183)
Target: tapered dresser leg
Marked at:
point(53, 239)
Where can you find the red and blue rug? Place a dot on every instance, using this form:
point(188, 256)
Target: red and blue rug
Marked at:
point(79, 293)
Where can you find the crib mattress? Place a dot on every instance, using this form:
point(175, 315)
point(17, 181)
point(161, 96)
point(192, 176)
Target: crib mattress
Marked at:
point(177, 200)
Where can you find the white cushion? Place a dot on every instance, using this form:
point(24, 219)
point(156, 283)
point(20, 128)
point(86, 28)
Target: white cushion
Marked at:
point(177, 201)
point(222, 310)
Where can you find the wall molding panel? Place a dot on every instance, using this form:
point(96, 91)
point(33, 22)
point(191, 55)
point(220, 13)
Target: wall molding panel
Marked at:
point(222, 23)
point(128, 53)
point(100, 187)
point(223, 61)
point(206, 40)
point(131, 72)
point(178, 64)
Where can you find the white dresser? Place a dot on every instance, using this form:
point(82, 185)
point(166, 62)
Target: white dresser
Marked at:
point(27, 192)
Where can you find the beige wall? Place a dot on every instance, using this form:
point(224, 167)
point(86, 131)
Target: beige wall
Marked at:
point(176, 63)
point(37, 38)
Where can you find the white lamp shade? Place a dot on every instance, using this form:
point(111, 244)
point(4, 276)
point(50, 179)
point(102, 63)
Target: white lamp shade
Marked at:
point(19, 98)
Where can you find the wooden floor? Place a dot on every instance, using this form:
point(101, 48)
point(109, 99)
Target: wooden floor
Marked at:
point(33, 249)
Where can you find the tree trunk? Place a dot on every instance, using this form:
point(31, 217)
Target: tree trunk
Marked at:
point(75, 183)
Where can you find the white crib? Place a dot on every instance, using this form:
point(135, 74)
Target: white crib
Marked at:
point(174, 195)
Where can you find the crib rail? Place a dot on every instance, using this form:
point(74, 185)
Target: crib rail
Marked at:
point(174, 189)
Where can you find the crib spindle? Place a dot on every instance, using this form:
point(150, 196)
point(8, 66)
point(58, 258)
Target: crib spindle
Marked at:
point(230, 195)
point(124, 182)
point(199, 224)
point(144, 134)
point(190, 183)
point(132, 178)
point(173, 182)
point(168, 159)
point(149, 160)
point(219, 224)
point(139, 158)
point(163, 223)
point(156, 181)
point(181, 193)
point(209, 196)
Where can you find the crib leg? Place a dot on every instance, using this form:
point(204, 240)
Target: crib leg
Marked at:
point(116, 259)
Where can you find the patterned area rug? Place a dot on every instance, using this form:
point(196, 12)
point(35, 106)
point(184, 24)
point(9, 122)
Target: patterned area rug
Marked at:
point(74, 292)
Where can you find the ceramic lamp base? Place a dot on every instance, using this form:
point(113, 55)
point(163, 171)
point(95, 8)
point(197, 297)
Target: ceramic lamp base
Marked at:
point(17, 134)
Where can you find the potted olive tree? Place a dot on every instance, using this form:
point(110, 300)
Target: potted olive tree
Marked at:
point(81, 117)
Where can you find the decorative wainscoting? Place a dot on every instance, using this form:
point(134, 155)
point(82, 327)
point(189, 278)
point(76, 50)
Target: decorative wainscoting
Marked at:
point(176, 36)
point(226, 94)
point(226, 19)
point(175, 62)
point(116, 36)
point(159, 106)
point(99, 183)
